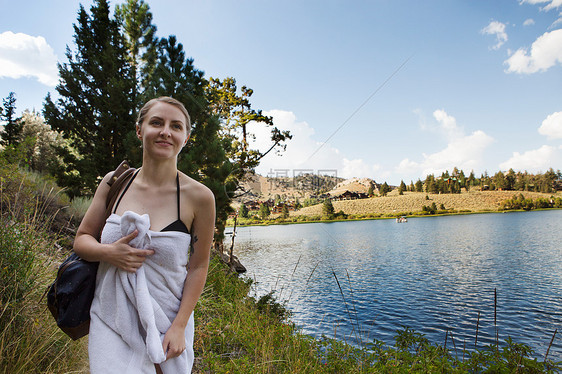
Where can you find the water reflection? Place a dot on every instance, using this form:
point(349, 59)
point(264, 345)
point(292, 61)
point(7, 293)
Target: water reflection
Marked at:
point(431, 274)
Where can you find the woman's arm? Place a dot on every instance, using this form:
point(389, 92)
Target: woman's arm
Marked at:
point(87, 246)
point(203, 228)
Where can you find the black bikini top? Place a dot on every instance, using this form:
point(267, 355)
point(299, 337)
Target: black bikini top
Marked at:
point(178, 224)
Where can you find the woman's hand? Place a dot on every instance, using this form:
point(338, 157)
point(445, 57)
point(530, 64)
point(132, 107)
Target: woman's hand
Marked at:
point(125, 257)
point(174, 342)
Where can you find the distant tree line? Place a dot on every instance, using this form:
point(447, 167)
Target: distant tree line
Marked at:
point(116, 65)
point(453, 182)
point(520, 202)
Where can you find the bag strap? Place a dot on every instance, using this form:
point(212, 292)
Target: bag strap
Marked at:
point(120, 176)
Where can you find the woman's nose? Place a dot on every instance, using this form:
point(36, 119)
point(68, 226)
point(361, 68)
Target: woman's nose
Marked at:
point(165, 131)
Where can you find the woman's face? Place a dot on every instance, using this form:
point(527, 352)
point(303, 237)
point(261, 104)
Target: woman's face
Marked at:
point(163, 132)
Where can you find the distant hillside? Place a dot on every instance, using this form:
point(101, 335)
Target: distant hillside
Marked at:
point(474, 201)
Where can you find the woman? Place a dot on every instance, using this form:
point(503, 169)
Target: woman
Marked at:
point(142, 312)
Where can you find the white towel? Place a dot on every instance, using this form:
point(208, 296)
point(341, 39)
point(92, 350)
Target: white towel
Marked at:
point(138, 308)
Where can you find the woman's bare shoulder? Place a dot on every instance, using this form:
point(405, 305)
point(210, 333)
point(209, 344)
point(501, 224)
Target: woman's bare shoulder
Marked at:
point(195, 191)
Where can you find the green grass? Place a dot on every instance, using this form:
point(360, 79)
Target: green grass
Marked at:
point(30, 341)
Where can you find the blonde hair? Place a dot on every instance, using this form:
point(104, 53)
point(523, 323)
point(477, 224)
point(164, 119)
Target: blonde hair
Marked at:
point(168, 100)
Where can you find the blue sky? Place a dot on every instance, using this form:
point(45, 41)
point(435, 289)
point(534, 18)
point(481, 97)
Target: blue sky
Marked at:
point(389, 90)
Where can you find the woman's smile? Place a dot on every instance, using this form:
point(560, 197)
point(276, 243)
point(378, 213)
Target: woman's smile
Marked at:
point(165, 128)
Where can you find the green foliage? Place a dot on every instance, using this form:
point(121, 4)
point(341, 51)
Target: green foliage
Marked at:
point(135, 20)
point(16, 261)
point(267, 304)
point(327, 209)
point(243, 212)
point(520, 202)
point(39, 143)
point(11, 135)
point(284, 211)
point(30, 341)
point(235, 112)
point(384, 189)
point(310, 201)
point(264, 211)
point(402, 188)
point(432, 209)
point(96, 105)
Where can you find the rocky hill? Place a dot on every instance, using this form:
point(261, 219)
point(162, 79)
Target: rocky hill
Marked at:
point(262, 188)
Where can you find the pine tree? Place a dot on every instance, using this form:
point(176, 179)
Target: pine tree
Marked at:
point(11, 136)
point(135, 20)
point(402, 188)
point(95, 111)
point(384, 189)
point(176, 76)
point(264, 211)
point(328, 209)
point(243, 211)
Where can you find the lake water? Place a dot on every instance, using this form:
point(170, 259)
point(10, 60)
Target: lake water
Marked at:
point(431, 274)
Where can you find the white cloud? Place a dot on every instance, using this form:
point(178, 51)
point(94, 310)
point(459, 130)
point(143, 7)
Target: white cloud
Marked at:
point(462, 151)
point(552, 4)
point(529, 22)
point(552, 126)
point(303, 152)
point(23, 55)
point(537, 160)
point(357, 168)
point(546, 52)
point(448, 124)
point(498, 29)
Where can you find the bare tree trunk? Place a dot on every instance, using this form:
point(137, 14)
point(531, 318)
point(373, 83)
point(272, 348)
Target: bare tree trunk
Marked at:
point(230, 254)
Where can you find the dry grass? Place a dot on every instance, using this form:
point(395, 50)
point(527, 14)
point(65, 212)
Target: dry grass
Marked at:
point(410, 202)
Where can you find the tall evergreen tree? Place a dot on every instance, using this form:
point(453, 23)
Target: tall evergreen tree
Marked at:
point(12, 127)
point(139, 33)
point(328, 209)
point(264, 211)
point(402, 188)
point(384, 189)
point(243, 212)
point(96, 108)
point(176, 76)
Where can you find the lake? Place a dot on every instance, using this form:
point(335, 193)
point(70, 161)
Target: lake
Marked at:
point(431, 274)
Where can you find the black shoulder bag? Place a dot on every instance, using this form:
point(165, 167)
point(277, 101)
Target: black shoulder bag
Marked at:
point(70, 296)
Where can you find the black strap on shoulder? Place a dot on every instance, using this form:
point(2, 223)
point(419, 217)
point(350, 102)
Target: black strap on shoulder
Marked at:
point(120, 176)
point(125, 190)
point(178, 192)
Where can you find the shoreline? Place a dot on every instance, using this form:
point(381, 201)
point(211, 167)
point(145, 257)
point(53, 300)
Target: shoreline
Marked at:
point(409, 204)
point(276, 223)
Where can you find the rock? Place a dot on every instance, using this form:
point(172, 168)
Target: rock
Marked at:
point(235, 265)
